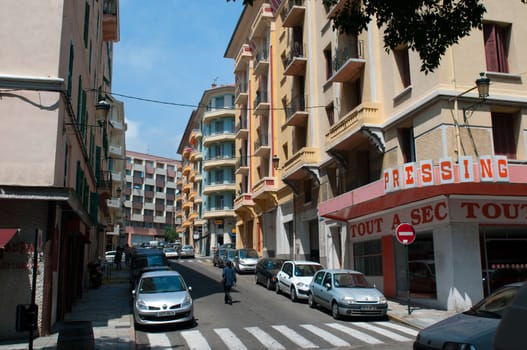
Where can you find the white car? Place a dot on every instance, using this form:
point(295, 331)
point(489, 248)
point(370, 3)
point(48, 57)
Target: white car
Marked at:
point(294, 278)
point(171, 253)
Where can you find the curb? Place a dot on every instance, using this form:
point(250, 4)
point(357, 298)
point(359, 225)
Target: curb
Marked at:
point(404, 321)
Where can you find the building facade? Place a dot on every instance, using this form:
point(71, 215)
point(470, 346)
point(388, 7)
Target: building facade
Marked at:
point(209, 163)
point(60, 131)
point(149, 198)
point(360, 140)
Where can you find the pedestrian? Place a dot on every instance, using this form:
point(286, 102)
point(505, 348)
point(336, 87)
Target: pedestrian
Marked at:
point(127, 255)
point(118, 258)
point(229, 280)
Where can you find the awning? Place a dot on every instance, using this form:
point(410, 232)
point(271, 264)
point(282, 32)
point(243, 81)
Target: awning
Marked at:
point(6, 234)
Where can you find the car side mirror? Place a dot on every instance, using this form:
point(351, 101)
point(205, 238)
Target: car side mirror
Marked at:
point(328, 286)
point(133, 292)
point(190, 288)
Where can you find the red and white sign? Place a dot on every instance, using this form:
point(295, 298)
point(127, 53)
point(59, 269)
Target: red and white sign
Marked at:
point(405, 233)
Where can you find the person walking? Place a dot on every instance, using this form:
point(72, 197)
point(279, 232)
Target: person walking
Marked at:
point(229, 280)
point(118, 257)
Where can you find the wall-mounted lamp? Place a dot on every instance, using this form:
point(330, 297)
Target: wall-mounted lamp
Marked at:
point(483, 84)
point(276, 162)
point(101, 110)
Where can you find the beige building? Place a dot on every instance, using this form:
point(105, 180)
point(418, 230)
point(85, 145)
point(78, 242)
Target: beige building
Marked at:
point(362, 141)
point(149, 198)
point(208, 175)
point(61, 150)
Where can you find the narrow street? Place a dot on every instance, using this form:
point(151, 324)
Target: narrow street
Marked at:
point(261, 319)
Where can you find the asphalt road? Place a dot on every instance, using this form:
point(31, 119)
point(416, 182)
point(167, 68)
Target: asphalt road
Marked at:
point(261, 319)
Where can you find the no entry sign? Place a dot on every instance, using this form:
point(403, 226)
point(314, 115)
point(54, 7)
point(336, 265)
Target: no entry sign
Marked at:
point(405, 233)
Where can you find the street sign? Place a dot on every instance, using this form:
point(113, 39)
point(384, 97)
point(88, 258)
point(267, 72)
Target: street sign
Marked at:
point(405, 233)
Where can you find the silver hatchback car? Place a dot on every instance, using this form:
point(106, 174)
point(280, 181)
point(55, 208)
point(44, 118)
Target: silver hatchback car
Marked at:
point(346, 293)
point(162, 297)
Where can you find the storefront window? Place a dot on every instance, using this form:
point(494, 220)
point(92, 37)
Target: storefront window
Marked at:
point(368, 257)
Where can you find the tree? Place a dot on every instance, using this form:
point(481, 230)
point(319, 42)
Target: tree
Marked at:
point(170, 234)
point(428, 27)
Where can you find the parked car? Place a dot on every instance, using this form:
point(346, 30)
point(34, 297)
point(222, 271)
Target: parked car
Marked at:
point(422, 276)
point(346, 292)
point(472, 329)
point(509, 335)
point(187, 251)
point(171, 253)
point(162, 297)
point(245, 260)
point(144, 260)
point(266, 270)
point(294, 278)
point(229, 255)
point(110, 256)
point(219, 257)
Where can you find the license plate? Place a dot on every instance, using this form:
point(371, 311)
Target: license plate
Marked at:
point(368, 308)
point(165, 313)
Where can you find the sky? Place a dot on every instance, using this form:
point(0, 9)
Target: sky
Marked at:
point(169, 51)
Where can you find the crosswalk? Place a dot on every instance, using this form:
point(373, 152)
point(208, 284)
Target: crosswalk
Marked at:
point(281, 337)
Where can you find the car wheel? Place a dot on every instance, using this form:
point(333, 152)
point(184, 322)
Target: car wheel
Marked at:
point(335, 311)
point(214, 263)
point(268, 283)
point(311, 301)
point(293, 294)
point(277, 287)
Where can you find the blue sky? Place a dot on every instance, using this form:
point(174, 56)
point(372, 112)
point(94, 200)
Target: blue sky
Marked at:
point(170, 51)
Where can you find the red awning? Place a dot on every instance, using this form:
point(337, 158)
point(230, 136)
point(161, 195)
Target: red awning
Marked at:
point(6, 234)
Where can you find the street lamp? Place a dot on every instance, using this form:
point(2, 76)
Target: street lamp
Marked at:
point(483, 84)
point(101, 110)
point(276, 162)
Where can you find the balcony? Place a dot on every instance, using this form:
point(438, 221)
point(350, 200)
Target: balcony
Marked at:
point(295, 112)
point(187, 205)
point(242, 130)
point(187, 188)
point(242, 58)
point(192, 195)
point(264, 193)
point(227, 160)
point(104, 182)
point(110, 20)
point(261, 63)
point(218, 187)
point(198, 177)
point(261, 103)
point(261, 22)
point(295, 61)
point(344, 133)
point(218, 212)
point(186, 169)
point(116, 150)
point(198, 200)
point(348, 63)
point(117, 127)
point(241, 94)
point(193, 215)
point(261, 146)
point(195, 136)
point(293, 13)
point(244, 202)
point(186, 152)
point(227, 135)
point(306, 157)
point(217, 113)
point(114, 203)
point(242, 166)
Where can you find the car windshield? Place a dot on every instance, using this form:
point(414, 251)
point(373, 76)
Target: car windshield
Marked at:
point(350, 280)
point(495, 304)
point(306, 270)
point(274, 264)
point(248, 254)
point(169, 250)
point(188, 247)
point(161, 284)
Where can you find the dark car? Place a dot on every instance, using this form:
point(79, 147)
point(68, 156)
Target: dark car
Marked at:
point(509, 335)
point(266, 270)
point(472, 329)
point(422, 276)
point(144, 260)
point(219, 257)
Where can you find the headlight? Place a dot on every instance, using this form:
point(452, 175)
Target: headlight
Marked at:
point(458, 346)
point(382, 300)
point(348, 300)
point(141, 305)
point(187, 301)
point(302, 285)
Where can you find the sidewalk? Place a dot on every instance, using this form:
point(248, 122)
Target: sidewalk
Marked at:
point(109, 311)
point(107, 308)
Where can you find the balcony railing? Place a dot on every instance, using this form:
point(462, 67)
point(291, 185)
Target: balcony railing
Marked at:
point(348, 62)
point(295, 61)
point(295, 112)
point(110, 25)
point(293, 13)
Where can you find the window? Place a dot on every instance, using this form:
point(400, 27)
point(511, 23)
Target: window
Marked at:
point(368, 257)
point(406, 143)
point(329, 66)
point(403, 65)
point(86, 24)
point(503, 134)
point(496, 47)
point(70, 71)
point(330, 114)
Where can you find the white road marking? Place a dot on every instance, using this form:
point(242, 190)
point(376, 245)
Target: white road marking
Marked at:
point(195, 340)
point(330, 338)
point(398, 327)
point(355, 333)
point(159, 341)
point(263, 337)
point(230, 339)
point(381, 331)
point(295, 337)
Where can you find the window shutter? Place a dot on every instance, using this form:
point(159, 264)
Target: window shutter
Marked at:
point(489, 32)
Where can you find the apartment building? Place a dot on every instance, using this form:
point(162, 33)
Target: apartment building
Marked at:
point(61, 150)
point(209, 163)
point(360, 140)
point(149, 198)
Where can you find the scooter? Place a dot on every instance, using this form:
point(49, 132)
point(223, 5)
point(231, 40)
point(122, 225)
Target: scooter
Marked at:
point(94, 269)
